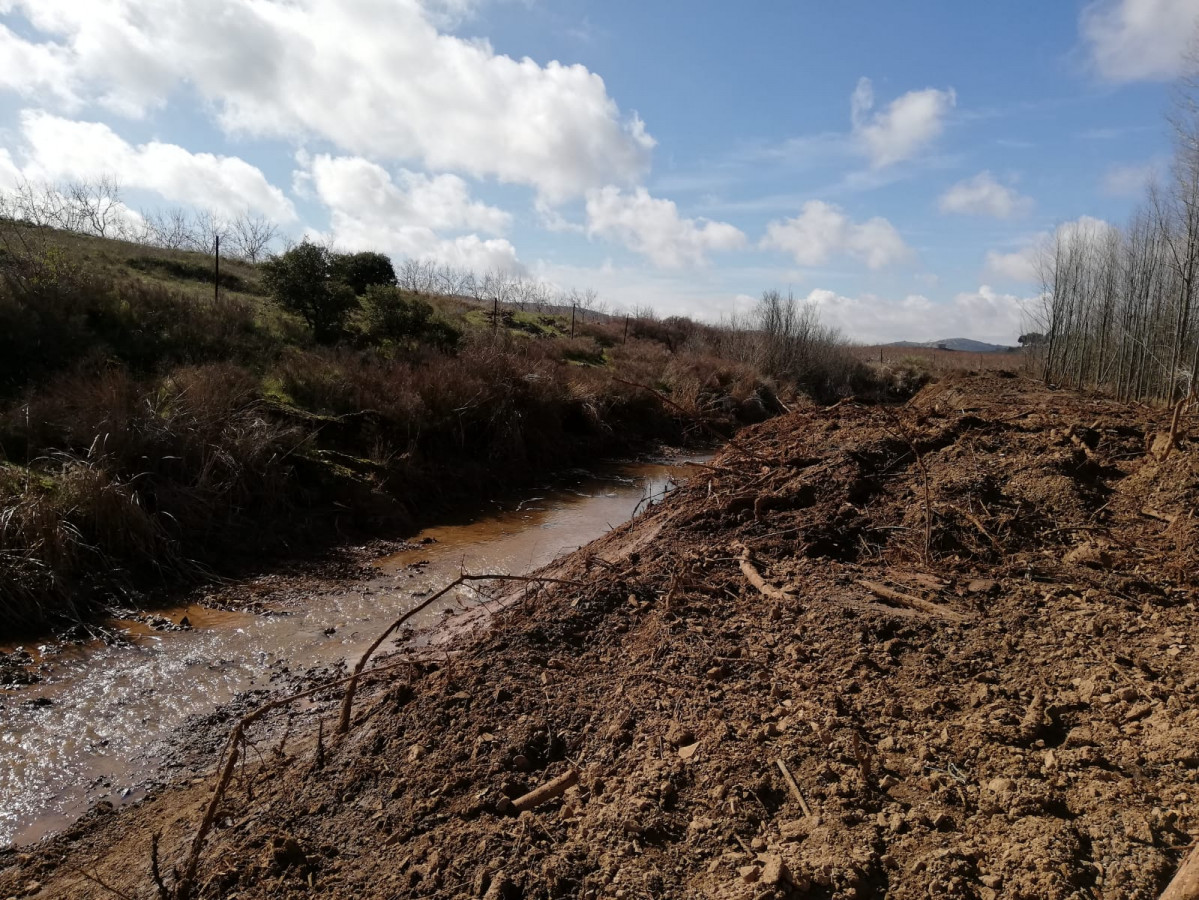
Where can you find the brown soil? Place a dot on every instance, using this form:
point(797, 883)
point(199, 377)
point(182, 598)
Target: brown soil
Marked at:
point(1001, 705)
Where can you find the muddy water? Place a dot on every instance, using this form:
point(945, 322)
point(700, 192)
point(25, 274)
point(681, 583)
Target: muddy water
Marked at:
point(97, 725)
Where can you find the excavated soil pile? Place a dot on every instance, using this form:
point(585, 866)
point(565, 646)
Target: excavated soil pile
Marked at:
point(966, 629)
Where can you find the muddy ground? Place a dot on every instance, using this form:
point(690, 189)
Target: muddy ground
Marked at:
point(966, 629)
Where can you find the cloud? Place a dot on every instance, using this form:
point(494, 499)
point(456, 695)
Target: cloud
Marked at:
point(1138, 40)
point(62, 149)
point(1024, 265)
point(370, 77)
point(438, 202)
point(406, 215)
point(1018, 266)
point(904, 128)
point(653, 227)
point(982, 195)
point(984, 315)
point(823, 230)
point(1129, 180)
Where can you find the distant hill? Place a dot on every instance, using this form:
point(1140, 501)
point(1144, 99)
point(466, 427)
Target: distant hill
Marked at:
point(963, 345)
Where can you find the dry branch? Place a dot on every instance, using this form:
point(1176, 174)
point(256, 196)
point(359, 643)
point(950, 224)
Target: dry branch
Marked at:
point(736, 445)
point(795, 791)
point(1185, 884)
point(754, 577)
point(183, 887)
point(911, 601)
point(347, 703)
point(924, 480)
point(548, 791)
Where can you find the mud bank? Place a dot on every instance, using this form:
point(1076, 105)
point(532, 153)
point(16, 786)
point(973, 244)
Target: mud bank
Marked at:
point(947, 651)
point(105, 716)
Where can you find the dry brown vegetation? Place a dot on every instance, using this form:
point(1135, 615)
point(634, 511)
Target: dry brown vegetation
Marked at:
point(150, 430)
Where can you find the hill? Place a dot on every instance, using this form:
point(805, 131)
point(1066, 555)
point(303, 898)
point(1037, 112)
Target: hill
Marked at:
point(962, 345)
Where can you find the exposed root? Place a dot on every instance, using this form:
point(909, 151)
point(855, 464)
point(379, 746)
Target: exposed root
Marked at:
point(912, 602)
point(754, 577)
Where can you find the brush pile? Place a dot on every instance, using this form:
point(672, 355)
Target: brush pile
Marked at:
point(946, 650)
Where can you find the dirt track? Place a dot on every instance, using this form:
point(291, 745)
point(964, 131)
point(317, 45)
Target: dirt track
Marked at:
point(982, 684)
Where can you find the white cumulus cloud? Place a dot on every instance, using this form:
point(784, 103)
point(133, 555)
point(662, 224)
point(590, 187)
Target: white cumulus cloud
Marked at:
point(823, 230)
point(63, 149)
point(370, 77)
point(982, 195)
point(904, 128)
point(653, 227)
point(1138, 40)
point(408, 215)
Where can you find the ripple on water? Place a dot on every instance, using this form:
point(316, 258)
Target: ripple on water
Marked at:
point(112, 707)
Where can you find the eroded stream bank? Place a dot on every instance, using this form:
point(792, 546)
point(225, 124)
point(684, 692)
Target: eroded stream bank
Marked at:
point(98, 724)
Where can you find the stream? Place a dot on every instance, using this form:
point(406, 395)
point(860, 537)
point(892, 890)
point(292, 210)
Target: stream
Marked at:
point(97, 725)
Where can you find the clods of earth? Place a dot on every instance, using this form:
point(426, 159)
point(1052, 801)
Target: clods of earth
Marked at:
point(943, 650)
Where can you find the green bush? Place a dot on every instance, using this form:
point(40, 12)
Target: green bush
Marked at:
point(391, 316)
point(362, 270)
point(300, 279)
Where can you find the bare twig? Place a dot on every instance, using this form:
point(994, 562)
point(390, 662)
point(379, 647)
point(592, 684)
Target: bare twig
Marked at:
point(928, 503)
point(737, 445)
point(100, 882)
point(548, 791)
point(795, 791)
point(155, 870)
point(912, 602)
point(347, 703)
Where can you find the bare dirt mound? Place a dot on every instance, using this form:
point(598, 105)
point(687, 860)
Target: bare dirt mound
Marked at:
point(942, 651)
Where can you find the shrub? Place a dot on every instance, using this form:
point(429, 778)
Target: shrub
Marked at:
point(391, 316)
point(301, 280)
point(362, 270)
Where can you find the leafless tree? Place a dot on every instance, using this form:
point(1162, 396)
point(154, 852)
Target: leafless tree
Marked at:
point(250, 236)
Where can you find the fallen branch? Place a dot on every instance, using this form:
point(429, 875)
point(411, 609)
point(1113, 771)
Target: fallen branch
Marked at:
point(795, 791)
point(881, 590)
point(548, 791)
point(737, 445)
point(1185, 884)
point(754, 577)
point(1175, 421)
point(924, 479)
point(347, 703)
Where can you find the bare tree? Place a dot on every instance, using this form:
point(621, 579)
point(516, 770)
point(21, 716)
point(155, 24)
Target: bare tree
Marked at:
point(250, 236)
point(97, 205)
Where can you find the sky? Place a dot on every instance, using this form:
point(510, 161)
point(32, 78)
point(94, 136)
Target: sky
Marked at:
point(894, 163)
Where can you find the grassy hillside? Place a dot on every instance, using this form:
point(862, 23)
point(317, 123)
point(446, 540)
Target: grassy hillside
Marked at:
point(151, 432)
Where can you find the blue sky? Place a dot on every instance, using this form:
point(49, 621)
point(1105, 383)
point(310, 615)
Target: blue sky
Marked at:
point(895, 163)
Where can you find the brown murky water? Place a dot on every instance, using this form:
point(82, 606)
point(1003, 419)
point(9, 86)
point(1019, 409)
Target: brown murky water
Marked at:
point(96, 727)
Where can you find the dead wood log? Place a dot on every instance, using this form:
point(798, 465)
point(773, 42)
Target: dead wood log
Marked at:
point(912, 602)
point(548, 791)
point(754, 577)
point(1185, 884)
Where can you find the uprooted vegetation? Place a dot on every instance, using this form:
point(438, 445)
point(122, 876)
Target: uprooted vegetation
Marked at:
point(943, 651)
point(152, 430)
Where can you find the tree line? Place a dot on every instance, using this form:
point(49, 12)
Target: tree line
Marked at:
point(1118, 311)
